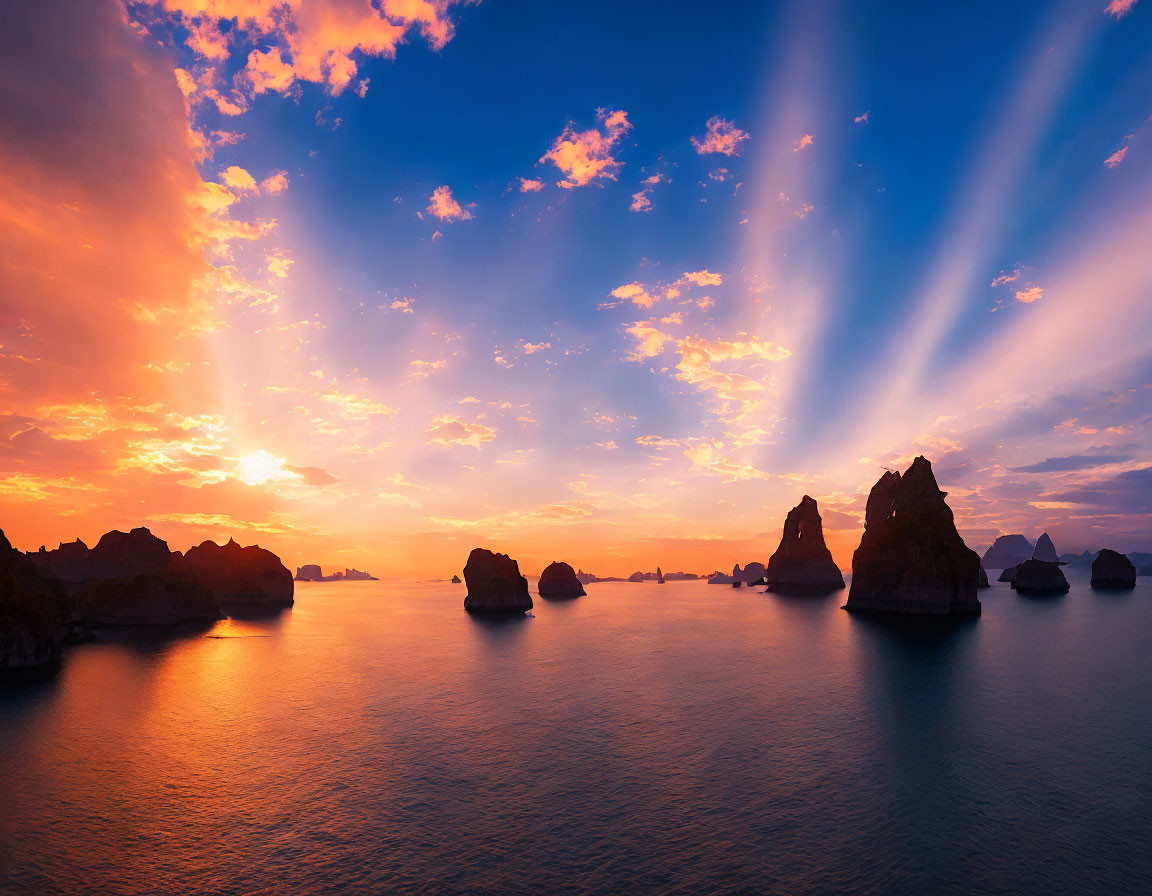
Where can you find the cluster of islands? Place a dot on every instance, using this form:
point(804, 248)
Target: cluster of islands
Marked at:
point(911, 562)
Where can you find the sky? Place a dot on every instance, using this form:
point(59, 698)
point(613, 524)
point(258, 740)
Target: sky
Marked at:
point(374, 282)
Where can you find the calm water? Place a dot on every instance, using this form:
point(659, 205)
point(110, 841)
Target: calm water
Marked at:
point(684, 738)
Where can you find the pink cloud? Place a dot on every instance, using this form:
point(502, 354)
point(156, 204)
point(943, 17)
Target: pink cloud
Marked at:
point(1116, 158)
point(720, 136)
point(640, 200)
point(1118, 8)
point(862, 119)
point(585, 156)
point(802, 143)
point(1029, 294)
point(444, 207)
point(527, 185)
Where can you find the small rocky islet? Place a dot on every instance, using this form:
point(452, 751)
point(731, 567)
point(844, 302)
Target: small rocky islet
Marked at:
point(495, 585)
point(1113, 570)
point(802, 563)
point(559, 580)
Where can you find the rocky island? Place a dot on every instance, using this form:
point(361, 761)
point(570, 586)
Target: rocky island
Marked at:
point(249, 577)
point(133, 578)
point(802, 563)
point(1041, 574)
point(1007, 551)
point(495, 586)
point(1113, 570)
point(559, 581)
point(311, 572)
point(749, 575)
point(911, 560)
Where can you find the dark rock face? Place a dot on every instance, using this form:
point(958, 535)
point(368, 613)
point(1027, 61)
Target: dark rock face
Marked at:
point(1009, 575)
point(1113, 570)
point(982, 582)
point(148, 599)
point(495, 585)
point(1006, 551)
point(455, 580)
point(1045, 550)
point(34, 612)
point(116, 554)
point(1040, 577)
point(753, 572)
point(245, 577)
point(911, 559)
point(132, 578)
point(129, 578)
point(559, 580)
point(802, 563)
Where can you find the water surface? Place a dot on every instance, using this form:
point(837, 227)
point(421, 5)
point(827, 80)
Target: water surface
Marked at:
point(684, 738)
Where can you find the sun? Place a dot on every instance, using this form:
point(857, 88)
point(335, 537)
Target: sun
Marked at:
point(259, 467)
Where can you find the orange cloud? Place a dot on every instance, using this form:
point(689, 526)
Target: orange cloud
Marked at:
point(275, 184)
point(527, 185)
point(268, 70)
point(1029, 295)
point(585, 156)
point(447, 430)
point(1003, 278)
point(239, 179)
point(444, 207)
point(306, 40)
point(646, 297)
point(803, 142)
point(703, 278)
point(720, 136)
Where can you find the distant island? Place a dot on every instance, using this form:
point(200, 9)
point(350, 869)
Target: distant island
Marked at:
point(311, 572)
point(588, 578)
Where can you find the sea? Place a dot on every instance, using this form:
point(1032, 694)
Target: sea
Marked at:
point(644, 739)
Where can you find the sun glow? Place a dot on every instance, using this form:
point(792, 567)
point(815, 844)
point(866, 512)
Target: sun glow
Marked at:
point(259, 467)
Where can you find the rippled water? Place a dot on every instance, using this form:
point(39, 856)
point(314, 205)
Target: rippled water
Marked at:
point(683, 738)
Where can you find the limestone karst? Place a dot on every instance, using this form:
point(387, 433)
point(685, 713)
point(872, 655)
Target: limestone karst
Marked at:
point(559, 581)
point(802, 563)
point(1045, 551)
point(911, 559)
point(1111, 569)
point(1040, 577)
point(495, 586)
point(240, 576)
point(1007, 551)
